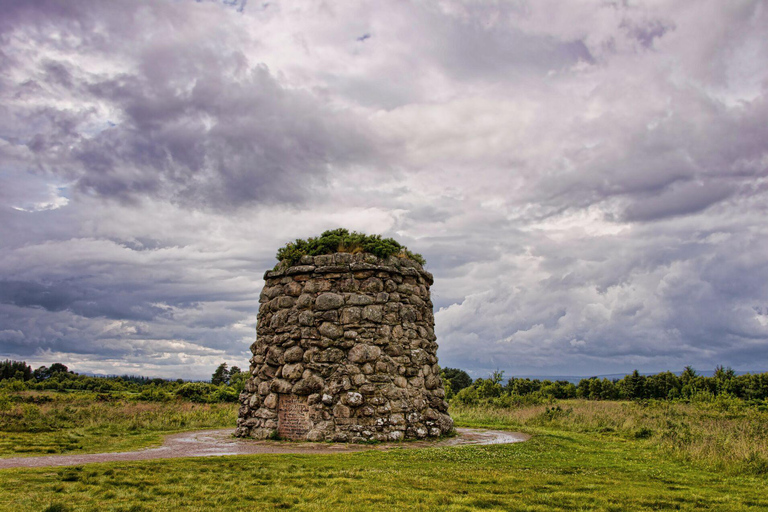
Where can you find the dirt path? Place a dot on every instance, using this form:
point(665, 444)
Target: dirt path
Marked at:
point(215, 443)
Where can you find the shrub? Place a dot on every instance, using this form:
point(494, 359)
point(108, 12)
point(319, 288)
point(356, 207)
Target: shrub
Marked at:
point(196, 391)
point(341, 240)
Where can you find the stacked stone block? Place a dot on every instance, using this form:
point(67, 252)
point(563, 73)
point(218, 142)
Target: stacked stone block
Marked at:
point(345, 351)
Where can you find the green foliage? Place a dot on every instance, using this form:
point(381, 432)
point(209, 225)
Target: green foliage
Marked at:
point(342, 240)
point(688, 386)
point(144, 389)
point(221, 375)
point(16, 370)
point(199, 392)
point(458, 379)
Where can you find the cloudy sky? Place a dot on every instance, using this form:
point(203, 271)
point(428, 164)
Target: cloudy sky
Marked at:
point(588, 180)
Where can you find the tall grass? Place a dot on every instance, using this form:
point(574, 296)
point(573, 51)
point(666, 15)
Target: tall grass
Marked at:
point(725, 435)
point(57, 423)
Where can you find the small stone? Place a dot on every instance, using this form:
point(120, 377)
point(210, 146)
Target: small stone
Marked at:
point(293, 355)
point(362, 353)
point(327, 399)
point(342, 411)
point(307, 386)
point(372, 285)
point(327, 301)
point(356, 299)
point(306, 318)
point(304, 301)
point(323, 260)
point(271, 401)
point(280, 386)
point(351, 315)
point(275, 356)
point(331, 330)
point(285, 302)
point(293, 289)
point(354, 399)
point(373, 313)
point(293, 371)
point(432, 382)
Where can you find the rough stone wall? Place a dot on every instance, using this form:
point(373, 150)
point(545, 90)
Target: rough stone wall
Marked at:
point(345, 351)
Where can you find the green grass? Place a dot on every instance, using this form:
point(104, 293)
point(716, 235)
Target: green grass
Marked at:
point(607, 456)
point(725, 435)
point(56, 423)
point(571, 471)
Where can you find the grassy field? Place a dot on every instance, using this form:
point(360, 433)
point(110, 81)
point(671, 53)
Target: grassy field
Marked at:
point(583, 456)
point(34, 423)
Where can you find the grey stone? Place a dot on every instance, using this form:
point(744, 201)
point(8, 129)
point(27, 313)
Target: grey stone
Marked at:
point(293, 355)
point(354, 399)
point(327, 301)
point(271, 401)
point(362, 353)
point(351, 315)
point(281, 386)
point(357, 299)
point(293, 371)
point(373, 313)
point(331, 330)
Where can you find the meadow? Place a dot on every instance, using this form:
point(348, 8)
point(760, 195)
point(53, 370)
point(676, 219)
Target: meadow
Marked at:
point(45, 423)
point(584, 455)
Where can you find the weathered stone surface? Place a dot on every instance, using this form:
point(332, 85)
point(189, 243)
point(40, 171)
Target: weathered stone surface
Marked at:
point(357, 299)
point(293, 355)
point(362, 353)
point(331, 330)
point(327, 301)
point(345, 352)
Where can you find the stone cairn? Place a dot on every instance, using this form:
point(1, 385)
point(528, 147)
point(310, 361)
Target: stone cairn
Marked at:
point(345, 351)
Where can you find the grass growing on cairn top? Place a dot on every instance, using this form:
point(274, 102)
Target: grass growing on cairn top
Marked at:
point(342, 240)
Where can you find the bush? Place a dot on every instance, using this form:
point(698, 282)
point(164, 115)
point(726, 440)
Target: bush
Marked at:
point(197, 392)
point(341, 240)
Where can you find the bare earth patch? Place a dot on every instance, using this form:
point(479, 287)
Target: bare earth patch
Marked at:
point(216, 443)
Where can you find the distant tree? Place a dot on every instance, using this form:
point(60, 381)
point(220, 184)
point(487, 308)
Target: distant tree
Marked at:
point(221, 375)
point(45, 373)
point(490, 387)
point(459, 379)
point(58, 368)
point(688, 375)
point(18, 370)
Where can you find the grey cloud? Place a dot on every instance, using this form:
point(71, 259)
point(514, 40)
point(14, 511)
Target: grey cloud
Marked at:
point(193, 120)
point(587, 182)
point(678, 200)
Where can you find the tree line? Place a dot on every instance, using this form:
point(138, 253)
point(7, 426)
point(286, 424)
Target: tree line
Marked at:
point(661, 386)
point(225, 386)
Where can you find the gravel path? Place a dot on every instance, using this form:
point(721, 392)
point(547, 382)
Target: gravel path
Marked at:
point(215, 443)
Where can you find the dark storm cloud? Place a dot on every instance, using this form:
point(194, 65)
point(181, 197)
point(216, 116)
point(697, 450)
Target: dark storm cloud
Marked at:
point(586, 180)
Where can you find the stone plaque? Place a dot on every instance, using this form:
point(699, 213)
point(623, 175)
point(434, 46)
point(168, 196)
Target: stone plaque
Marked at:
point(292, 417)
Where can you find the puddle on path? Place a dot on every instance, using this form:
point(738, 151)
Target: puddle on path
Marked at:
point(217, 443)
